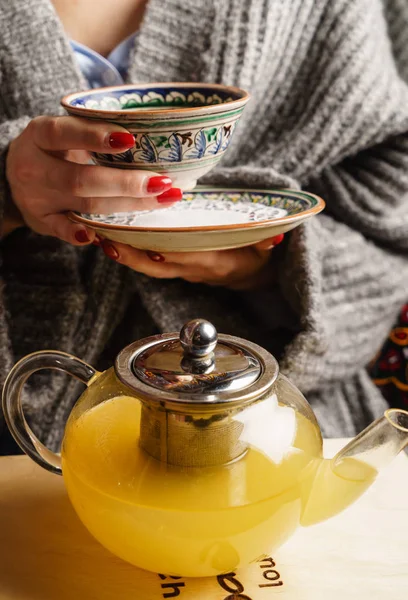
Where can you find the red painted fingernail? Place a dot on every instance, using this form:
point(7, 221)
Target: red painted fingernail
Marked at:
point(278, 239)
point(155, 256)
point(81, 236)
point(121, 139)
point(171, 195)
point(110, 250)
point(97, 241)
point(158, 184)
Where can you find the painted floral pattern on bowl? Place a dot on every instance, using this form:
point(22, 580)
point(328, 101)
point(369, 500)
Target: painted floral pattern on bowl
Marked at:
point(174, 147)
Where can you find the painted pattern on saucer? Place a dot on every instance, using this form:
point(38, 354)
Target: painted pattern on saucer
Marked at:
point(211, 208)
point(208, 219)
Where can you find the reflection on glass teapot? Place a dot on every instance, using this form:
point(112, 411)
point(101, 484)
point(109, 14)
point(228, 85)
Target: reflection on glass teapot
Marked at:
point(193, 455)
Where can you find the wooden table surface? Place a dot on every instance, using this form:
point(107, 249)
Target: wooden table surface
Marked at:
point(46, 554)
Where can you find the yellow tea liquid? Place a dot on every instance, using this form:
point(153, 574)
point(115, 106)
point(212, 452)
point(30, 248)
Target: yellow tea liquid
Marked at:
point(327, 488)
point(187, 521)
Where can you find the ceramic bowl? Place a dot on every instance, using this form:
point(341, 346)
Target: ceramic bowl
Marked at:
point(208, 219)
point(181, 129)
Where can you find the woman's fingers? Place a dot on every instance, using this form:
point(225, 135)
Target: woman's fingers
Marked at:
point(219, 265)
point(106, 206)
point(235, 268)
point(44, 184)
point(139, 261)
point(55, 134)
point(79, 180)
point(211, 260)
point(64, 229)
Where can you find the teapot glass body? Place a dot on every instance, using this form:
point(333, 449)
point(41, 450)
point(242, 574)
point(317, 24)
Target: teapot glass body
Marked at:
point(181, 519)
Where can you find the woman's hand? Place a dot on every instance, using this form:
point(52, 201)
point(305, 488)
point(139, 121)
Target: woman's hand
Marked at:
point(240, 269)
point(48, 172)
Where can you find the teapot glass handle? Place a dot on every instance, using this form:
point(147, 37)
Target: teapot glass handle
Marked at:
point(12, 405)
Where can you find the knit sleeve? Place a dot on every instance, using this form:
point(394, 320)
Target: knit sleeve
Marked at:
point(345, 272)
point(8, 131)
point(357, 252)
point(347, 291)
point(345, 281)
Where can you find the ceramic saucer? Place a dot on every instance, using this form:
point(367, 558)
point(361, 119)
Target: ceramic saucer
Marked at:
point(208, 219)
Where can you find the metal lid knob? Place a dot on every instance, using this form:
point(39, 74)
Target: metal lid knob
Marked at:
point(198, 338)
point(196, 366)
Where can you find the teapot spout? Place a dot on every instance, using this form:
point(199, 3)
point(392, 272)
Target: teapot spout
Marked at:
point(379, 443)
point(330, 486)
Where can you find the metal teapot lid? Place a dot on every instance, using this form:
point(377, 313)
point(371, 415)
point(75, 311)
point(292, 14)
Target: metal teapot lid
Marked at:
point(197, 366)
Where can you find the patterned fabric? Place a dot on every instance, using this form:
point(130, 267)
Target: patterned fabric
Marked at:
point(389, 368)
point(100, 71)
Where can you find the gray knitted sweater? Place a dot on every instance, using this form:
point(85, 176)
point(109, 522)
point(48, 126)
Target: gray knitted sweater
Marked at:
point(329, 113)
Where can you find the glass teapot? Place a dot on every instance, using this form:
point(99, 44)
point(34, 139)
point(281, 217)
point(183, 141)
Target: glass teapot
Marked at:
point(193, 455)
